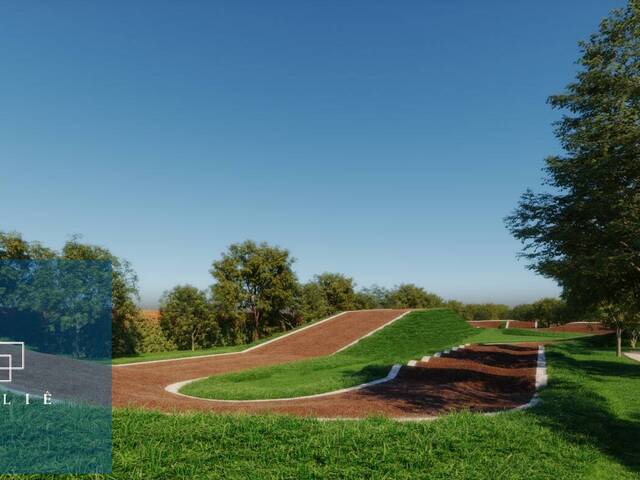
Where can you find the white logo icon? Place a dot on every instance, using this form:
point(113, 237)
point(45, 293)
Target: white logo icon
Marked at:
point(10, 361)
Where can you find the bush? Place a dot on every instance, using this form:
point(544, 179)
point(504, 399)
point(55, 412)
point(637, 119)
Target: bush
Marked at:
point(187, 318)
point(151, 338)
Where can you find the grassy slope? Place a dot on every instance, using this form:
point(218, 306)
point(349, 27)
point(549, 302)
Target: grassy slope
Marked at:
point(415, 335)
point(586, 428)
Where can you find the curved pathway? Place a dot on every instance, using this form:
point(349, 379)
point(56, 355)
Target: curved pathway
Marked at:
point(142, 384)
point(477, 378)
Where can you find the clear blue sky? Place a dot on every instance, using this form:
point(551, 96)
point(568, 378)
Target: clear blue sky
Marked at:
point(384, 140)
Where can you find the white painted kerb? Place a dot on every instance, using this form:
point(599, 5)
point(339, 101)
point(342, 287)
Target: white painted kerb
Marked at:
point(175, 389)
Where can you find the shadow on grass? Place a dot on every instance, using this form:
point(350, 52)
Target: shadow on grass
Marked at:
point(585, 416)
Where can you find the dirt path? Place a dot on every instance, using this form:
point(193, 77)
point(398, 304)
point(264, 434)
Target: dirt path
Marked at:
point(478, 378)
point(633, 356)
point(143, 384)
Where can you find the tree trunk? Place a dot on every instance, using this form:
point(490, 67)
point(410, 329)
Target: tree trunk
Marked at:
point(256, 328)
point(618, 341)
point(193, 341)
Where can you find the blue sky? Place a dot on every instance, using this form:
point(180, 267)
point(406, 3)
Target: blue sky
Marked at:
point(384, 140)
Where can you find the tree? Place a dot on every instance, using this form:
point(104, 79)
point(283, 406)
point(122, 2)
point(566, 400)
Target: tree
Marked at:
point(187, 318)
point(485, 311)
point(338, 290)
point(123, 282)
point(548, 311)
point(584, 232)
point(408, 295)
point(14, 247)
point(313, 302)
point(124, 293)
point(371, 297)
point(254, 281)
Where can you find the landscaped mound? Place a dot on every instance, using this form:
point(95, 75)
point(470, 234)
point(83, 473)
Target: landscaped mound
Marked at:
point(416, 334)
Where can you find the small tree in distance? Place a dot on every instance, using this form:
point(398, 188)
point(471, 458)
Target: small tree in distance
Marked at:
point(187, 318)
point(408, 295)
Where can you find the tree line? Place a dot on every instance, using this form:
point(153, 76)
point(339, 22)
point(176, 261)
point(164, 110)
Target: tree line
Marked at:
point(255, 293)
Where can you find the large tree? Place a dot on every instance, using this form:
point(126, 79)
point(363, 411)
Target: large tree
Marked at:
point(123, 281)
point(584, 231)
point(254, 281)
point(187, 318)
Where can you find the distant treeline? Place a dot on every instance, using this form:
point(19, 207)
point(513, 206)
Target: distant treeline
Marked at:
point(255, 293)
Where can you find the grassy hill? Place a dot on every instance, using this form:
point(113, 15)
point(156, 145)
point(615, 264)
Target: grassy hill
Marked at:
point(418, 333)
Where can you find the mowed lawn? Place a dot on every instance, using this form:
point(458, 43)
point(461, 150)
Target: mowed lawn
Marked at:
point(512, 335)
point(416, 334)
point(587, 427)
point(413, 336)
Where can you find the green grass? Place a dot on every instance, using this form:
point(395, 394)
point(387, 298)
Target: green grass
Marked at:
point(511, 335)
point(418, 333)
point(587, 427)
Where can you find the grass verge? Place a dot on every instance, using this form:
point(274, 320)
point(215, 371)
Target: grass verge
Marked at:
point(418, 333)
point(512, 335)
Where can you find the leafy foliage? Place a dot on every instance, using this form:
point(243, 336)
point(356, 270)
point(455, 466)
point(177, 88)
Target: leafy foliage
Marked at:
point(123, 280)
point(255, 286)
point(408, 295)
point(187, 318)
point(585, 231)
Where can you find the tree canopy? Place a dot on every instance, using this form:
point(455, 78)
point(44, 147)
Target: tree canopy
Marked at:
point(188, 319)
point(256, 283)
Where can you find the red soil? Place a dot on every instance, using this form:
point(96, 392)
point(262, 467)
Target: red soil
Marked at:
point(485, 323)
point(521, 324)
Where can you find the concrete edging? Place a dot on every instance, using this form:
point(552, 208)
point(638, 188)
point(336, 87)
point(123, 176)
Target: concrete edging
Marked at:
point(175, 389)
point(540, 382)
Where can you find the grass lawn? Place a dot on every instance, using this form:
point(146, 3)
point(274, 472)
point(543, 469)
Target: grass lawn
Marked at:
point(495, 335)
point(418, 333)
point(587, 427)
